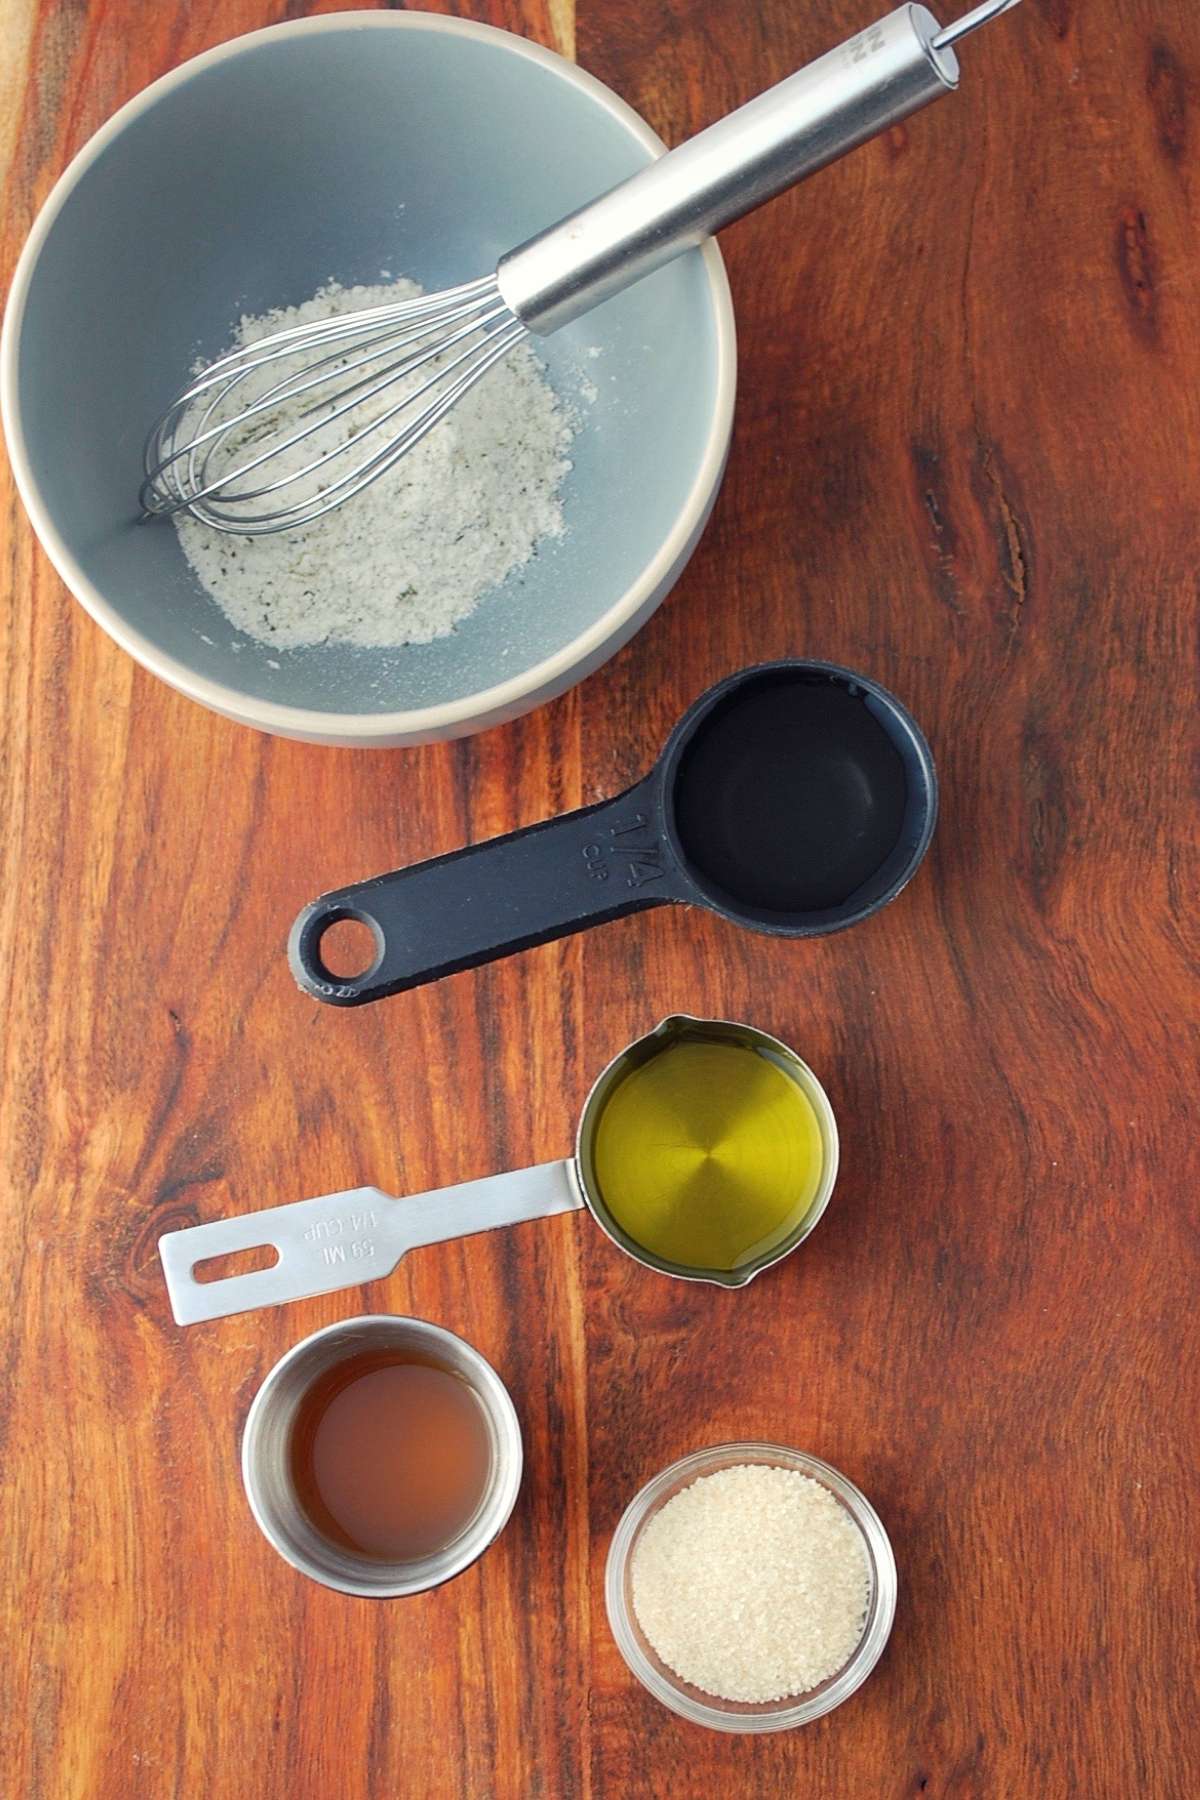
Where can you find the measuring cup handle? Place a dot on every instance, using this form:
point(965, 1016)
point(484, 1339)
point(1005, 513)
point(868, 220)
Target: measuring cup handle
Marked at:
point(880, 76)
point(506, 894)
point(341, 1240)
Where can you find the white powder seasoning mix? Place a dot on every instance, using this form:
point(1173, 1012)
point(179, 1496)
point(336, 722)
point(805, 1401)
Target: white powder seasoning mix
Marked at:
point(413, 554)
point(752, 1583)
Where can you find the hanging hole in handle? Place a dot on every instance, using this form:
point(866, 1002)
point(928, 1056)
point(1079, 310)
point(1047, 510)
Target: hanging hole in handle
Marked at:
point(348, 946)
point(236, 1262)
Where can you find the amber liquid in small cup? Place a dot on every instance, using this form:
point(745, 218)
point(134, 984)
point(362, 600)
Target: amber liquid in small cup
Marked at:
point(390, 1455)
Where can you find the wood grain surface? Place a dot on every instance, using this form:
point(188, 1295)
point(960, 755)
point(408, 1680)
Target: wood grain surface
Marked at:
point(965, 461)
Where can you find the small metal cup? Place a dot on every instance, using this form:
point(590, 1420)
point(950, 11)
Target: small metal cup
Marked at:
point(266, 1464)
point(681, 1026)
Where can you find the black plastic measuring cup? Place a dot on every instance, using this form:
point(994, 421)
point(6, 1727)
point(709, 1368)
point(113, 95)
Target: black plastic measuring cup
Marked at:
point(795, 798)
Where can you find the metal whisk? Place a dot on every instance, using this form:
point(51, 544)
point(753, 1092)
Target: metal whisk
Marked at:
point(373, 383)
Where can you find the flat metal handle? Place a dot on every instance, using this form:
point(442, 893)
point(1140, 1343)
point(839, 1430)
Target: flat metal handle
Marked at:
point(342, 1240)
point(873, 81)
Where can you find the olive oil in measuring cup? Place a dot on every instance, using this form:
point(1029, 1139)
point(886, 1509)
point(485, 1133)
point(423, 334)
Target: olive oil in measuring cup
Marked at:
point(707, 1151)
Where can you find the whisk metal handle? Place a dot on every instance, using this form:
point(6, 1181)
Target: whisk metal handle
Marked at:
point(877, 78)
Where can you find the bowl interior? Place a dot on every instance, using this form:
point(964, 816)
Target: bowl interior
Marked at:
point(345, 151)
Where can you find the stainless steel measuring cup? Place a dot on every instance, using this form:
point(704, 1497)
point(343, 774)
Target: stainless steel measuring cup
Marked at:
point(341, 1240)
point(270, 1483)
point(794, 798)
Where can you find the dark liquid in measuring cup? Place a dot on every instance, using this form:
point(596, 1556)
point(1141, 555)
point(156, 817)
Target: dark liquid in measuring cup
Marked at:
point(390, 1455)
point(791, 796)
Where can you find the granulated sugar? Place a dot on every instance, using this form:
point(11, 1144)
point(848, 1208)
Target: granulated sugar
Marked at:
point(407, 559)
point(752, 1583)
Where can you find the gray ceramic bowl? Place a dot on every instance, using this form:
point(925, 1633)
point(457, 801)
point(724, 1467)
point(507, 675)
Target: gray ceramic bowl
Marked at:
point(342, 146)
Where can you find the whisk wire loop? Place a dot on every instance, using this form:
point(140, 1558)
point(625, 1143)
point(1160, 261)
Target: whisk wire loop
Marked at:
point(206, 451)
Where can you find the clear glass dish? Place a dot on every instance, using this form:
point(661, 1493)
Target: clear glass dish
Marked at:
point(735, 1715)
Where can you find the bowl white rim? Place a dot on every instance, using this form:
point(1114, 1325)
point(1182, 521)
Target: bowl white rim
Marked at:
point(489, 703)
